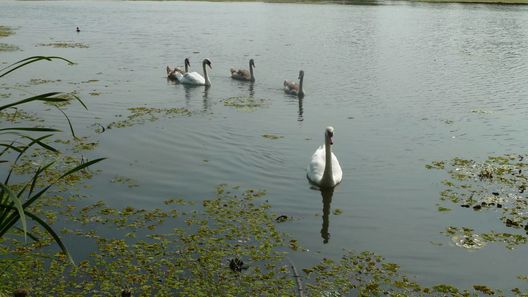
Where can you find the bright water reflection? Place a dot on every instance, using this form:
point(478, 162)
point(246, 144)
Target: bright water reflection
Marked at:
point(403, 85)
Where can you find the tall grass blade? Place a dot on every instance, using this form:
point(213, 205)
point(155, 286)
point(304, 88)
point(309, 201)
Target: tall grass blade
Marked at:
point(34, 129)
point(46, 97)
point(30, 60)
point(19, 210)
point(81, 166)
point(69, 122)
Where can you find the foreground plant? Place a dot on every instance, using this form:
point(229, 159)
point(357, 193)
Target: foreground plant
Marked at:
point(16, 141)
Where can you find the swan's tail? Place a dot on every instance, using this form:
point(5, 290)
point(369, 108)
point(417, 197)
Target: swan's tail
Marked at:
point(168, 71)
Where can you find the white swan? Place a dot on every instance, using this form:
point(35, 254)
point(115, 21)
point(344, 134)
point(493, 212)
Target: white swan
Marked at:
point(243, 74)
point(194, 78)
point(294, 88)
point(171, 73)
point(324, 169)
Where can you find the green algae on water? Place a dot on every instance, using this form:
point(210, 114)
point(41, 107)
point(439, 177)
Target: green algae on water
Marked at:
point(244, 103)
point(66, 44)
point(496, 186)
point(272, 136)
point(6, 31)
point(140, 115)
point(4, 47)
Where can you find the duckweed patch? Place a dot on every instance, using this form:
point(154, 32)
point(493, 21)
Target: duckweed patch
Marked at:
point(140, 115)
point(272, 136)
point(5, 47)
point(68, 98)
point(131, 183)
point(494, 186)
point(64, 45)
point(247, 104)
point(39, 81)
point(193, 260)
point(224, 246)
point(6, 31)
point(16, 115)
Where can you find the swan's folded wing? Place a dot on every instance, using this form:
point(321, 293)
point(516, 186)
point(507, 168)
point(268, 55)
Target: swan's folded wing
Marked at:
point(193, 78)
point(317, 165)
point(337, 173)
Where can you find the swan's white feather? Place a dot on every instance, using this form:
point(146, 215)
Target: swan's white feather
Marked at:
point(317, 166)
point(191, 78)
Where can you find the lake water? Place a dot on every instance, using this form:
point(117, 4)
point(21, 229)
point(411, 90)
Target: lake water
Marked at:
point(400, 83)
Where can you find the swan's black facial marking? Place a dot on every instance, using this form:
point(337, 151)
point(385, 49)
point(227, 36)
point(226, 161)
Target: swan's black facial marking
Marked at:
point(208, 63)
point(330, 135)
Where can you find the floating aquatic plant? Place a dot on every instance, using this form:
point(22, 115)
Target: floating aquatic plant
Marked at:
point(20, 193)
point(39, 81)
point(6, 31)
point(64, 45)
point(5, 47)
point(224, 246)
point(140, 115)
point(272, 136)
point(131, 183)
point(243, 103)
point(496, 185)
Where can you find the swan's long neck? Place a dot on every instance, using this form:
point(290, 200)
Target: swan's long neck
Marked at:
point(207, 82)
point(301, 92)
point(328, 178)
point(251, 71)
point(186, 67)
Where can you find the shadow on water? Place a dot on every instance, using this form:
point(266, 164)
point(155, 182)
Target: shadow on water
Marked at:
point(327, 201)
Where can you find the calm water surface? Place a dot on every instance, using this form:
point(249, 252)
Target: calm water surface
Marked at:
point(400, 84)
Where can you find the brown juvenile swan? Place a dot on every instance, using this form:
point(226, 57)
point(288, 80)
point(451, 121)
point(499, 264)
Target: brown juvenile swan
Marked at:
point(243, 74)
point(171, 73)
point(294, 88)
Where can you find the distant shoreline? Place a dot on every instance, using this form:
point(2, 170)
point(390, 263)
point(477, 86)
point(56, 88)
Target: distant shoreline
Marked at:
point(351, 2)
point(476, 1)
point(365, 2)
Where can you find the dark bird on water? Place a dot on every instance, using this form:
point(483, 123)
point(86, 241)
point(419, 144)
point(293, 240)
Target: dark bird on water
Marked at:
point(78, 30)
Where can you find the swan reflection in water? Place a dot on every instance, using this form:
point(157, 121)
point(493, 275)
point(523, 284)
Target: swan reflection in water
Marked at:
point(327, 201)
point(190, 89)
point(300, 114)
point(205, 100)
point(251, 89)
